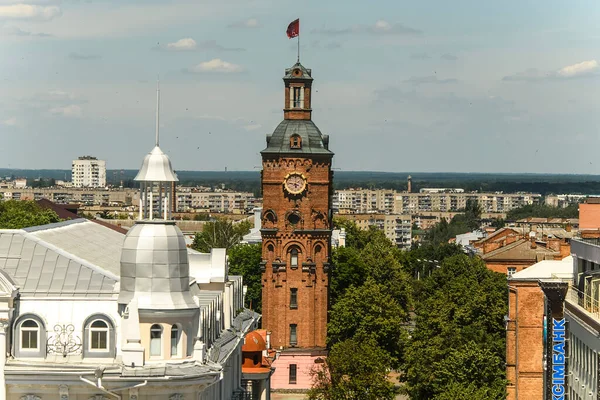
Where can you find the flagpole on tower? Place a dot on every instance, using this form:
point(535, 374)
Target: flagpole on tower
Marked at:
point(293, 30)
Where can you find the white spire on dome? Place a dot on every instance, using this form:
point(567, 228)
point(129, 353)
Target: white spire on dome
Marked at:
point(156, 173)
point(157, 109)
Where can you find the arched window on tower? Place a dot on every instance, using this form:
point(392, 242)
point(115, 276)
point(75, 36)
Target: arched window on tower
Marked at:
point(294, 257)
point(175, 340)
point(295, 142)
point(297, 99)
point(155, 340)
point(270, 252)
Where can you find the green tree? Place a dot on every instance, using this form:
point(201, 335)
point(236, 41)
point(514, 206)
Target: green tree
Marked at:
point(543, 211)
point(244, 260)
point(221, 233)
point(21, 214)
point(353, 370)
point(370, 312)
point(459, 336)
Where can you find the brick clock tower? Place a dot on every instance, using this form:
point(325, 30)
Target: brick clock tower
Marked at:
point(296, 235)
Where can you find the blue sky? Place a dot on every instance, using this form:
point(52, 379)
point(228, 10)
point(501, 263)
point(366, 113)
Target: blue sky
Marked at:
point(465, 86)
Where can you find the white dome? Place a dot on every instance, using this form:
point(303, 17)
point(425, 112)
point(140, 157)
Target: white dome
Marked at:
point(156, 168)
point(155, 267)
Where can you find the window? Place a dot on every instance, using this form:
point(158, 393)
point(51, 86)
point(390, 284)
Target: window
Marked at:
point(511, 271)
point(294, 257)
point(155, 340)
point(295, 142)
point(30, 334)
point(293, 335)
point(175, 337)
point(98, 336)
point(297, 97)
point(294, 298)
point(293, 373)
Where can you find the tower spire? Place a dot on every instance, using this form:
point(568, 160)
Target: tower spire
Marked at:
point(157, 107)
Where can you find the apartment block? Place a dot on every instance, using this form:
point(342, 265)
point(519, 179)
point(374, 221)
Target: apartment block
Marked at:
point(396, 227)
point(88, 172)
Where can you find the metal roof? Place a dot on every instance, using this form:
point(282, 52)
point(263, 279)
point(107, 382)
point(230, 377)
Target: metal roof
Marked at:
point(70, 258)
point(313, 141)
point(306, 72)
point(154, 267)
point(156, 167)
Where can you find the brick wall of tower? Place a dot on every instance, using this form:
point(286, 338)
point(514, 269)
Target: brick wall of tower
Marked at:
point(278, 234)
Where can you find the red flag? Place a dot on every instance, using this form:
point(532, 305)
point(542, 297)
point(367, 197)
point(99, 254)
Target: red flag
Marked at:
point(293, 29)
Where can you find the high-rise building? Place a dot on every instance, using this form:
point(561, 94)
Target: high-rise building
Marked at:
point(88, 171)
point(296, 235)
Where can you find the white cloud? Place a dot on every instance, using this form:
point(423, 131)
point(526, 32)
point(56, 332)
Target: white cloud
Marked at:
point(249, 23)
point(185, 44)
point(72, 110)
point(29, 12)
point(10, 122)
point(216, 65)
point(581, 68)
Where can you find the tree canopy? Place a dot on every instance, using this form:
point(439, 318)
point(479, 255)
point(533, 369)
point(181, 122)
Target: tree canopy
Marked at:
point(221, 233)
point(543, 211)
point(244, 259)
point(354, 370)
point(22, 214)
point(468, 220)
point(459, 339)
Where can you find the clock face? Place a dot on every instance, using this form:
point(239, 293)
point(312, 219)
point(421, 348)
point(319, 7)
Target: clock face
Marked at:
point(295, 183)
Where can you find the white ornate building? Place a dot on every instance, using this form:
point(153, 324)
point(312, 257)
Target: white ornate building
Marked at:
point(87, 313)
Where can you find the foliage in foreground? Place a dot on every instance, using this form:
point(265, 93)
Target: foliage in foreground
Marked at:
point(353, 370)
point(221, 233)
point(16, 214)
point(458, 346)
point(244, 259)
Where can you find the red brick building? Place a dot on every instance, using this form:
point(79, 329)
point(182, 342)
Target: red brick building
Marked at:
point(296, 235)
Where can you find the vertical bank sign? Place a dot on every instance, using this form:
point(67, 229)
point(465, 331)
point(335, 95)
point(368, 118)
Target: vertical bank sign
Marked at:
point(556, 344)
point(558, 358)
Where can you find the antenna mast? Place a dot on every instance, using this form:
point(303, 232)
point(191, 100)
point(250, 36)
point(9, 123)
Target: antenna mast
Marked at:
point(157, 107)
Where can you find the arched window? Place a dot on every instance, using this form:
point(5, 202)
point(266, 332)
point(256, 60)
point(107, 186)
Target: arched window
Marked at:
point(294, 257)
point(295, 142)
point(30, 335)
point(155, 340)
point(175, 339)
point(99, 337)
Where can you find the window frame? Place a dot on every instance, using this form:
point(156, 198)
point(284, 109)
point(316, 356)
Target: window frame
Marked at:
point(293, 374)
point(294, 253)
point(92, 330)
point(510, 271)
point(22, 330)
point(293, 298)
point(110, 351)
point(295, 141)
point(160, 341)
point(41, 350)
point(178, 344)
point(294, 335)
